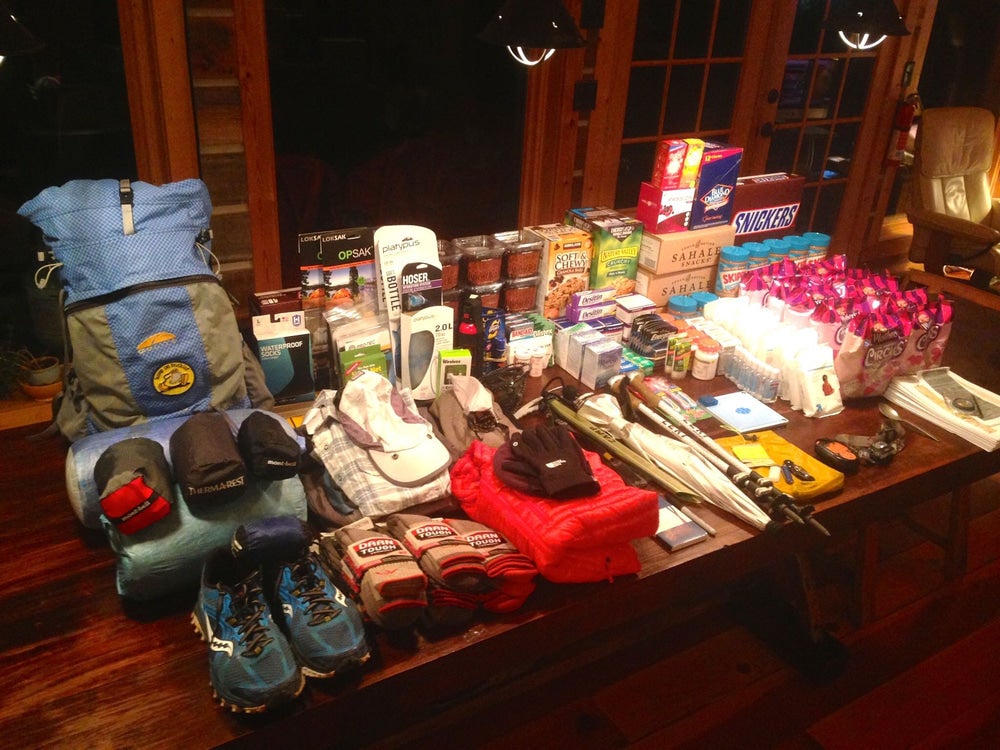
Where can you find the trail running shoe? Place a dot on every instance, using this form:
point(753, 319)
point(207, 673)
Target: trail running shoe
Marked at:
point(251, 665)
point(323, 625)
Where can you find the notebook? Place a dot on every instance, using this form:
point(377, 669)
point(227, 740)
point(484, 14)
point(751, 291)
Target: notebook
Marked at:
point(745, 413)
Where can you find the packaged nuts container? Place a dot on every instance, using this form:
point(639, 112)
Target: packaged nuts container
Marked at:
point(521, 259)
point(482, 264)
point(489, 293)
point(519, 294)
point(451, 261)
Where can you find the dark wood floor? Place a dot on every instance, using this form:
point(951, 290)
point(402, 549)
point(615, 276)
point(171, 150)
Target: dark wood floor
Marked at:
point(926, 674)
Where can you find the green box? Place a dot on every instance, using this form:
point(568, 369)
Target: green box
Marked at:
point(616, 240)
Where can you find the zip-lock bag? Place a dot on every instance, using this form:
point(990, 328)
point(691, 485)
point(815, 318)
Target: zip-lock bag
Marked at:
point(150, 332)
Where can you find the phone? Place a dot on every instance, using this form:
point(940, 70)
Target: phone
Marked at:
point(675, 529)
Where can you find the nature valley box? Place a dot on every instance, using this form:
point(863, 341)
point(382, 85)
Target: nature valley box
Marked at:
point(564, 266)
point(684, 251)
point(615, 255)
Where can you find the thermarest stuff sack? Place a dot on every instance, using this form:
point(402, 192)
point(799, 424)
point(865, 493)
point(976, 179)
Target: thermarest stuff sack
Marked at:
point(150, 331)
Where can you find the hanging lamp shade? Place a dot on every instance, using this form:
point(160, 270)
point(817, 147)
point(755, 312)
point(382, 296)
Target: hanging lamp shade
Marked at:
point(865, 23)
point(15, 39)
point(535, 24)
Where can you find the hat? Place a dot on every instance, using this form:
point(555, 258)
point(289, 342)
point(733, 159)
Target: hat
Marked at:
point(400, 443)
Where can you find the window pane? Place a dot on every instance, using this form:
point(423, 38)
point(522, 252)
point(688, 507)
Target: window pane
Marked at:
point(720, 96)
point(794, 90)
point(654, 30)
point(682, 99)
point(642, 108)
point(824, 89)
point(828, 206)
point(693, 28)
point(812, 151)
point(845, 135)
point(781, 156)
point(731, 28)
point(808, 25)
point(859, 76)
point(635, 166)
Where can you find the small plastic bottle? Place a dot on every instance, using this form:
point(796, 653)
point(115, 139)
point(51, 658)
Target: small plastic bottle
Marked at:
point(706, 359)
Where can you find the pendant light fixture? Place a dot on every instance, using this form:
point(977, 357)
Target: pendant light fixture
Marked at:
point(865, 24)
point(14, 38)
point(532, 30)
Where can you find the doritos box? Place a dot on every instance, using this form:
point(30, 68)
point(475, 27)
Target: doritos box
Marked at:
point(766, 206)
point(716, 185)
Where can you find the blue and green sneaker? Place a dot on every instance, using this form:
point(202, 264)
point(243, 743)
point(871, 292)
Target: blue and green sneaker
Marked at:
point(251, 666)
point(324, 626)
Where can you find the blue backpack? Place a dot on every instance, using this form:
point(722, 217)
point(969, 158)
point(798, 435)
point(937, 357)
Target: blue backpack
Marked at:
point(150, 332)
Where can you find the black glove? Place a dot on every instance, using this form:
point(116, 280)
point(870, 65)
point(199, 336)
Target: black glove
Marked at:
point(553, 456)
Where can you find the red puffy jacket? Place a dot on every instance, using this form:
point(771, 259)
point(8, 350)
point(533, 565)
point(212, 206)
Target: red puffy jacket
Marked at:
point(570, 541)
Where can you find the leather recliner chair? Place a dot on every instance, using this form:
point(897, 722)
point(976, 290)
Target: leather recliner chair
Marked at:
point(954, 216)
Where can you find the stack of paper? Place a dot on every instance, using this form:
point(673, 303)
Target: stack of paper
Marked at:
point(941, 396)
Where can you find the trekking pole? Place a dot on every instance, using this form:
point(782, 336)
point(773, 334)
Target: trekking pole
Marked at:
point(775, 503)
point(640, 464)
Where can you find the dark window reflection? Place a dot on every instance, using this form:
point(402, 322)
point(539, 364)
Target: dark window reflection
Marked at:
point(809, 18)
point(682, 99)
point(720, 93)
point(828, 207)
point(731, 28)
point(654, 27)
point(825, 86)
point(794, 90)
point(693, 29)
point(389, 112)
point(634, 167)
point(859, 76)
point(781, 156)
point(845, 136)
point(642, 110)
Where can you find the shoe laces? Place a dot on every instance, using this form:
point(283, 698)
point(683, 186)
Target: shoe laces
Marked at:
point(311, 589)
point(247, 617)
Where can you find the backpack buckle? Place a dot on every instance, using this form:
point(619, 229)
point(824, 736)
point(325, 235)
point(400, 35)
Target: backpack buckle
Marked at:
point(126, 197)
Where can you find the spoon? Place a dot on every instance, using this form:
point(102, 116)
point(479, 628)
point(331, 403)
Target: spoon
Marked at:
point(890, 412)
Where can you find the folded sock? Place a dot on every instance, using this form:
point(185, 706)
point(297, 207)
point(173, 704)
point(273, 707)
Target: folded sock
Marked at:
point(441, 552)
point(511, 573)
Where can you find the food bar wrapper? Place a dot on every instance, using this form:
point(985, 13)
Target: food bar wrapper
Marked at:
point(871, 354)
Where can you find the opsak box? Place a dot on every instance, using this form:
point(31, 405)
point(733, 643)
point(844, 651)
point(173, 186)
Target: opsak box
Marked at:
point(616, 239)
point(767, 206)
point(349, 265)
point(564, 266)
point(716, 185)
point(682, 251)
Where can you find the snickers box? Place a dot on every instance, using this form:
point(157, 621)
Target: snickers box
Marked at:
point(767, 206)
point(715, 188)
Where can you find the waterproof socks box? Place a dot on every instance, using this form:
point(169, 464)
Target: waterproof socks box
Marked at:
point(284, 348)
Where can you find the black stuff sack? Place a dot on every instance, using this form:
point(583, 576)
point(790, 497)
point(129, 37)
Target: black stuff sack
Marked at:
point(206, 462)
point(134, 484)
point(268, 450)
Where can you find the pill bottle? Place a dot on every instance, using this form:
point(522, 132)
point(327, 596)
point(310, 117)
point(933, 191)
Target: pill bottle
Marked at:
point(706, 359)
point(732, 266)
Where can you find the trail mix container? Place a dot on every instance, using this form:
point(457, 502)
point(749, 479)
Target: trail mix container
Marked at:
point(451, 262)
point(521, 255)
point(490, 293)
point(482, 263)
point(519, 294)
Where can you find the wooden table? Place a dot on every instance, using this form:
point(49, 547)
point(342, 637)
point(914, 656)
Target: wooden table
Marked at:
point(83, 668)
